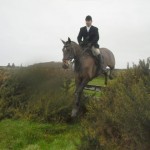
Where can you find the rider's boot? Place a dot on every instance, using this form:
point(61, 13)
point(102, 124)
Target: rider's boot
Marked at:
point(100, 63)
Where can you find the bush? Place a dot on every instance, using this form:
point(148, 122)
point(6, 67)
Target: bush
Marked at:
point(38, 93)
point(120, 118)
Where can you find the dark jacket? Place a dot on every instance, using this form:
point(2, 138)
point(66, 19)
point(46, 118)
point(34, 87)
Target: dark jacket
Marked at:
point(91, 37)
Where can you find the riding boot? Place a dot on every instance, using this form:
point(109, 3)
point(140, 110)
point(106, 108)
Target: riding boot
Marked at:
point(100, 63)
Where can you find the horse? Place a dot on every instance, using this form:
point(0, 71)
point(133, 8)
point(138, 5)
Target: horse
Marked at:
point(86, 67)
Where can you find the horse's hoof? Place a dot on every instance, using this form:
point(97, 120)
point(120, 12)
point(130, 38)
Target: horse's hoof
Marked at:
point(74, 112)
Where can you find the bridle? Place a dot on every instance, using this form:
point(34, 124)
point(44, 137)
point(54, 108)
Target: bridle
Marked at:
point(75, 58)
point(70, 57)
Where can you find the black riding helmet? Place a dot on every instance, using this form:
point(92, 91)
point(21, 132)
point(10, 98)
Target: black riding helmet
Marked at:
point(88, 18)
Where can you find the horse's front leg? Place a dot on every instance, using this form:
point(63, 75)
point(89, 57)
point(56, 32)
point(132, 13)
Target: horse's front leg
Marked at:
point(79, 89)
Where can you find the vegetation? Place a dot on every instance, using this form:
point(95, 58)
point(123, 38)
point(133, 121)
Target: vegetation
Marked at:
point(36, 102)
point(36, 93)
point(120, 118)
point(27, 135)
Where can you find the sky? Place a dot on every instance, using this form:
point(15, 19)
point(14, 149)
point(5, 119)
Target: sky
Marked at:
point(30, 30)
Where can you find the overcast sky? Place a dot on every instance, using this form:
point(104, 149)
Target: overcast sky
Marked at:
point(30, 30)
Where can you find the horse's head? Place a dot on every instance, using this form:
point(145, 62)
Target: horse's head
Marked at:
point(68, 53)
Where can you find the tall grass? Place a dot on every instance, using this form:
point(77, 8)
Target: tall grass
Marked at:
point(120, 118)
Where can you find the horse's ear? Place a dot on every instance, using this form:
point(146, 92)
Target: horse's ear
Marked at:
point(69, 40)
point(63, 41)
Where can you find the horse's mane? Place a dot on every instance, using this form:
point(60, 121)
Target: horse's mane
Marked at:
point(85, 50)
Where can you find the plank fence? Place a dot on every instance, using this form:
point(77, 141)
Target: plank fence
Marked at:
point(96, 88)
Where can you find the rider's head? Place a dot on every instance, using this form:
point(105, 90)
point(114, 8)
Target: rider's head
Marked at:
point(88, 21)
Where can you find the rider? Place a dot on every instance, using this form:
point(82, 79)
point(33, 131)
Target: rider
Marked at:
point(90, 36)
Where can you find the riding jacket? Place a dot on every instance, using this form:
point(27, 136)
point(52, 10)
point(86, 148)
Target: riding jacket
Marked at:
point(90, 37)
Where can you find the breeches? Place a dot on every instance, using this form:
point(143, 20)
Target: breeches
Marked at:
point(95, 51)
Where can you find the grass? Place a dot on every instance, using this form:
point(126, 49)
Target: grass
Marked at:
point(27, 135)
point(97, 81)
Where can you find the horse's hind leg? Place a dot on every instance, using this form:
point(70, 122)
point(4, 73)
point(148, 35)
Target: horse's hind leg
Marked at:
point(106, 77)
point(110, 75)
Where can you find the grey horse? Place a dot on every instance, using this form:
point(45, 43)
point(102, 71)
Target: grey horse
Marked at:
point(86, 67)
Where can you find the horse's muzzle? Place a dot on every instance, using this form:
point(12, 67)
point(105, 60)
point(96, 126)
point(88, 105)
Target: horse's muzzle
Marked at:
point(65, 64)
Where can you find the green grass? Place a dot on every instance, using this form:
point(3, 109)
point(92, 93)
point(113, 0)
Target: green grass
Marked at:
point(97, 81)
point(27, 135)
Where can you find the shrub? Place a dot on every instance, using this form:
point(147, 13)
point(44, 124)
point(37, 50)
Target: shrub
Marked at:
point(120, 118)
point(37, 93)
